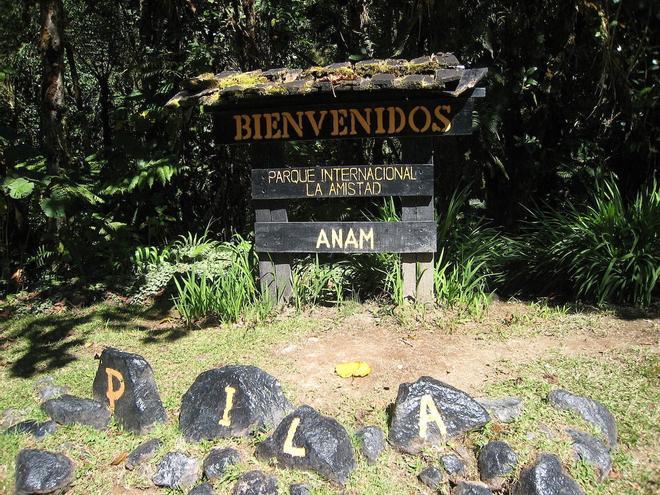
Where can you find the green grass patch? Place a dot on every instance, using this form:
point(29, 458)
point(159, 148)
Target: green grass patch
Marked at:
point(627, 382)
point(65, 345)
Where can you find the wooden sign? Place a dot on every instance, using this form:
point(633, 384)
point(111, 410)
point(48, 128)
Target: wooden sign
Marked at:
point(347, 120)
point(345, 237)
point(343, 181)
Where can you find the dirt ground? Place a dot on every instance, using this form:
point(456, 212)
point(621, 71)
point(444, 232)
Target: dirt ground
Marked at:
point(466, 356)
point(504, 352)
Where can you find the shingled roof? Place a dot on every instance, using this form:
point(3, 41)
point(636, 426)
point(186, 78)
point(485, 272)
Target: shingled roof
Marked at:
point(441, 72)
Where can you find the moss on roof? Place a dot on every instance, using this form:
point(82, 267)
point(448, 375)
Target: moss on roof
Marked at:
point(439, 71)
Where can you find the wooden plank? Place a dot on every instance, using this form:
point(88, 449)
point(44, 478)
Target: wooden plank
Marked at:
point(345, 237)
point(342, 181)
point(417, 268)
point(346, 120)
point(275, 268)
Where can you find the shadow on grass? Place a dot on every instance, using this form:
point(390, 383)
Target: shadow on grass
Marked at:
point(53, 339)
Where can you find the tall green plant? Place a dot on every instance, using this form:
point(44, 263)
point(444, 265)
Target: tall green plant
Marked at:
point(315, 283)
point(606, 251)
point(226, 296)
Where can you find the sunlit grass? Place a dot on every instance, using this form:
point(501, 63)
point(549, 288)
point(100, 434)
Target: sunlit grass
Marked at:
point(65, 346)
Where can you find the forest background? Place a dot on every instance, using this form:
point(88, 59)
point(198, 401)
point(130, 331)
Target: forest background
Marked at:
point(553, 195)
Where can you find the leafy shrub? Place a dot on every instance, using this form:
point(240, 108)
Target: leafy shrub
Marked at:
point(145, 257)
point(316, 283)
point(463, 286)
point(608, 251)
point(190, 253)
point(468, 265)
point(225, 296)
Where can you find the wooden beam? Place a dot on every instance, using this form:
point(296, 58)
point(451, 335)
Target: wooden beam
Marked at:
point(274, 268)
point(417, 268)
point(346, 120)
point(342, 181)
point(345, 237)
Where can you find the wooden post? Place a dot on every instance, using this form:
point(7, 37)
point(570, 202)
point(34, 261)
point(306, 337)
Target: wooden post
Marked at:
point(417, 268)
point(274, 268)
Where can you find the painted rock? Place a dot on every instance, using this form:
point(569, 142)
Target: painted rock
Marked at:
point(176, 470)
point(40, 471)
point(231, 401)
point(546, 477)
point(125, 383)
point(428, 412)
point(590, 410)
point(307, 440)
point(372, 442)
point(68, 409)
point(255, 483)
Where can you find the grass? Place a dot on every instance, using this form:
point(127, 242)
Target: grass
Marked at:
point(65, 345)
point(627, 383)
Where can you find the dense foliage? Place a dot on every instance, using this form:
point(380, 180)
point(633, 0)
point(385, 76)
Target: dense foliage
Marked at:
point(92, 166)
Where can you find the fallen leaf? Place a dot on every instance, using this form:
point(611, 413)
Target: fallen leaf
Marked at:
point(355, 368)
point(119, 458)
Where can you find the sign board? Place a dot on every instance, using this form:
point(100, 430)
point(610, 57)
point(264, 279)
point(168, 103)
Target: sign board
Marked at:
point(347, 120)
point(345, 237)
point(342, 181)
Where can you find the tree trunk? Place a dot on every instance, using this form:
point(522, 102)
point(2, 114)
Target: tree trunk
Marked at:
point(104, 99)
point(51, 44)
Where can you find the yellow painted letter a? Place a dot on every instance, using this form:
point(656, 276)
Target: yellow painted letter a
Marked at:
point(428, 413)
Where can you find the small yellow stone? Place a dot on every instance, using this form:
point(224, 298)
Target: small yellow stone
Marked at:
point(355, 368)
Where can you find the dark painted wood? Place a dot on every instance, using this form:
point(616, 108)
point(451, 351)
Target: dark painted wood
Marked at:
point(341, 119)
point(275, 268)
point(417, 268)
point(343, 181)
point(319, 98)
point(345, 237)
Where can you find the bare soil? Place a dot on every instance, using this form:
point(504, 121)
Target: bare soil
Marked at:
point(467, 356)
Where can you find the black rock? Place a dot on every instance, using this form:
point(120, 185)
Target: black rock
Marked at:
point(125, 383)
point(307, 440)
point(176, 470)
point(142, 453)
point(34, 428)
point(590, 410)
point(591, 450)
point(372, 442)
point(453, 464)
point(203, 489)
point(40, 471)
point(496, 459)
point(256, 401)
point(503, 410)
point(68, 409)
point(429, 411)
point(47, 389)
point(218, 460)
point(255, 483)
point(546, 477)
point(431, 476)
point(468, 488)
point(299, 489)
